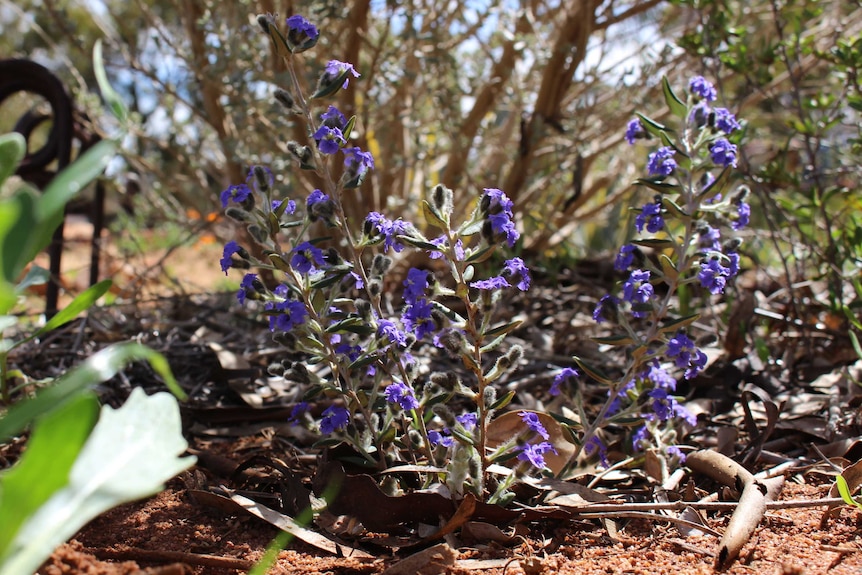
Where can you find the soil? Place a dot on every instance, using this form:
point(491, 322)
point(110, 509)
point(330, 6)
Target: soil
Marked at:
point(211, 343)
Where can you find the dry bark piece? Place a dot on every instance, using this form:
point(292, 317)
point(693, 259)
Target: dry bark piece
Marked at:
point(752, 502)
point(431, 561)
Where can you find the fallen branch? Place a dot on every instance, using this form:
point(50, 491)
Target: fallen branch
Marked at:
point(155, 556)
point(752, 501)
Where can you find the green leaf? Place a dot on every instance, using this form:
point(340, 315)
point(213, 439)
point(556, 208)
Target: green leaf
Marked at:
point(844, 491)
point(677, 324)
point(44, 468)
point(480, 255)
point(17, 225)
point(100, 367)
point(503, 401)
point(332, 85)
point(82, 302)
point(418, 243)
point(659, 186)
point(616, 340)
point(118, 107)
point(677, 106)
point(591, 371)
point(13, 148)
point(654, 243)
point(130, 454)
point(72, 180)
point(668, 267)
point(854, 340)
point(652, 126)
point(504, 328)
point(432, 217)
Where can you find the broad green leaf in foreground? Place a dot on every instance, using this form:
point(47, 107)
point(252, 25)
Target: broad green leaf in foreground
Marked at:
point(44, 468)
point(130, 454)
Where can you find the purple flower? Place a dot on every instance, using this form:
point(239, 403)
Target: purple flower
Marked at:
point(675, 451)
point(725, 121)
point(387, 328)
point(467, 420)
point(661, 162)
point(492, 283)
point(333, 419)
point(638, 290)
point(238, 193)
point(415, 284)
point(665, 407)
point(401, 394)
point(650, 217)
point(516, 269)
point(733, 265)
point(357, 280)
point(599, 312)
point(442, 242)
point(316, 197)
point(333, 118)
point(437, 438)
point(357, 162)
point(535, 453)
point(743, 215)
point(293, 313)
point(334, 69)
point(532, 421)
point(298, 411)
point(329, 140)
point(230, 249)
point(299, 24)
point(495, 201)
point(595, 445)
point(659, 376)
point(417, 318)
point(306, 258)
point(564, 376)
point(686, 355)
point(723, 153)
point(246, 286)
point(640, 437)
point(710, 238)
point(289, 209)
point(701, 87)
point(634, 131)
point(388, 228)
point(497, 208)
point(713, 276)
point(624, 258)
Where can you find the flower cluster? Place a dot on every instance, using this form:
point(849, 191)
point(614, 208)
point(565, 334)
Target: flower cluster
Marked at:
point(684, 223)
point(326, 302)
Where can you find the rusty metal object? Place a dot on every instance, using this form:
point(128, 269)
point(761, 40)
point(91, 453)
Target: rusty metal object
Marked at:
point(40, 166)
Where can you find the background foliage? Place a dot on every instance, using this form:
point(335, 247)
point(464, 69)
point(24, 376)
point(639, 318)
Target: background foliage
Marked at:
point(530, 97)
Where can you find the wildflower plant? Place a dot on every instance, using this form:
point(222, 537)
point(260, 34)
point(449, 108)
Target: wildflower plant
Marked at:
point(327, 303)
point(679, 245)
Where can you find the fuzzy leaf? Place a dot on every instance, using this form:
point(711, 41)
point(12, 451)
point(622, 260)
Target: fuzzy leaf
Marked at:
point(591, 371)
point(677, 106)
point(129, 455)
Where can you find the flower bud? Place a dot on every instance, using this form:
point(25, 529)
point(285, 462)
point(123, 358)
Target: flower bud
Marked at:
point(284, 98)
point(442, 200)
point(375, 287)
point(237, 214)
point(363, 308)
point(275, 369)
point(489, 394)
point(261, 178)
point(257, 233)
point(286, 339)
point(380, 265)
point(444, 413)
